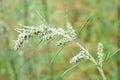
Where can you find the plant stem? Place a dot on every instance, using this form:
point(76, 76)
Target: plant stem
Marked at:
point(101, 73)
point(92, 59)
point(99, 68)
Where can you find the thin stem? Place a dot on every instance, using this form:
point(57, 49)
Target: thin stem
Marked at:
point(92, 59)
point(101, 73)
point(99, 68)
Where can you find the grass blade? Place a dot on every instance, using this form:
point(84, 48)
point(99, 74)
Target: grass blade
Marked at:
point(46, 42)
point(41, 17)
point(84, 24)
point(115, 52)
point(71, 68)
point(109, 55)
point(57, 54)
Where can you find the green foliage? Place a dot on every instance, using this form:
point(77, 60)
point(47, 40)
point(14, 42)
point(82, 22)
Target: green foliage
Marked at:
point(57, 54)
point(72, 67)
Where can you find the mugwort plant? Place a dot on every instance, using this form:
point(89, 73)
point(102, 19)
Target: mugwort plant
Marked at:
point(67, 35)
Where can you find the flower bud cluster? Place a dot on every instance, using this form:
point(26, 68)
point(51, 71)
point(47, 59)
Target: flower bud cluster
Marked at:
point(62, 41)
point(19, 41)
point(80, 55)
point(100, 54)
point(26, 34)
point(69, 34)
point(71, 31)
point(45, 33)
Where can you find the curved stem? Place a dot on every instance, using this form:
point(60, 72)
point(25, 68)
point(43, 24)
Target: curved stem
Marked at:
point(92, 59)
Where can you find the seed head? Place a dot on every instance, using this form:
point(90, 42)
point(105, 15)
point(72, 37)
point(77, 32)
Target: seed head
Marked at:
point(45, 33)
point(100, 54)
point(80, 55)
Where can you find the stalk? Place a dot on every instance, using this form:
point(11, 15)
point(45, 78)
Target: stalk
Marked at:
point(92, 59)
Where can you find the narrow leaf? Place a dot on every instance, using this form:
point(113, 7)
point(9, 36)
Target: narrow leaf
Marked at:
point(47, 42)
point(115, 52)
point(83, 25)
point(25, 26)
point(19, 30)
point(41, 17)
point(57, 54)
point(109, 55)
point(71, 68)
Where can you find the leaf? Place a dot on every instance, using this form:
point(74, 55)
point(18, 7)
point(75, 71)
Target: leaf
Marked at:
point(71, 68)
point(47, 42)
point(40, 42)
point(57, 54)
point(84, 24)
point(19, 30)
point(115, 52)
point(41, 17)
point(25, 26)
point(109, 55)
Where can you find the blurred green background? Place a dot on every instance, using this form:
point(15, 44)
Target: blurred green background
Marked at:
point(32, 62)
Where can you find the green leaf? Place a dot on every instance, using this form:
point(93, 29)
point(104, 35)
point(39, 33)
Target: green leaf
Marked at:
point(46, 42)
point(40, 42)
point(72, 67)
point(84, 24)
point(24, 26)
point(57, 54)
point(41, 17)
point(19, 30)
point(114, 53)
point(109, 55)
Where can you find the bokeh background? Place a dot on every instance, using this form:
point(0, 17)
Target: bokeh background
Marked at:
point(100, 19)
